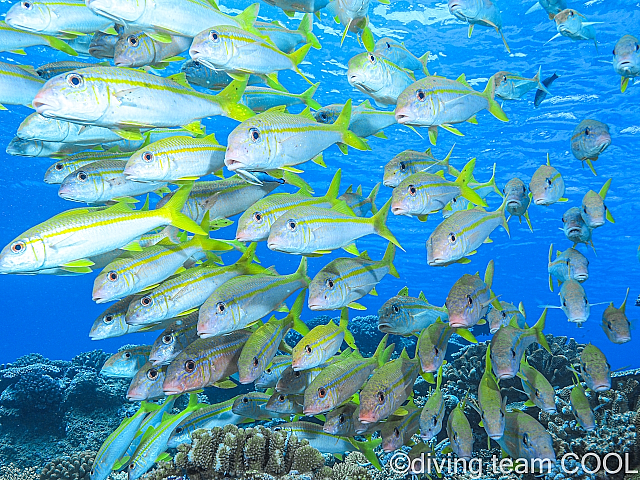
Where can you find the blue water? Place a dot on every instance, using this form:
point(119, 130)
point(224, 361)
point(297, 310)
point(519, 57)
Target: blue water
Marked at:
point(52, 315)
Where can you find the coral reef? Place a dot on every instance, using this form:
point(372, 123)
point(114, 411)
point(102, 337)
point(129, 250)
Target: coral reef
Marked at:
point(70, 467)
point(13, 472)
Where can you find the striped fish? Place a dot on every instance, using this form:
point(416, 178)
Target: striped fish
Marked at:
point(251, 405)
point(344, 281)
point(411, 161)
point(205, 77)
point(405, 315)
point(205, 362)
point(568, 264)
point(540, 392)
point(365, 120)
point(581, 408)
point(575, 228)
point(491, 405)
point(187, 290)
point(340, 420)
point(296, 381)
point(247, 298)
point(126, 100)
point(50, 70)
point(538, 448)
point(433, 342)
point(62, 240)
point(126, 362)
point(102, 181)
point(37, 127)
point(174, 339)
point(396, 433)
point(102, 44)
point(594, 211)
point(399, 54)
point(38, 148)
point(19, 84)
point(15, 40)
point(273, 372)
point(360, 204)
point(147, 383)
point(498, 318)
point(546, 185)
point(287, 40)
point(260, 99)
point(284, 403)
point(478, 12)
point(55, 17)
point(615, 323)
point(141, 50)
point(459, 433)
point(432, 413)
point(57, 172)
point(595, 369)
point(308, 6)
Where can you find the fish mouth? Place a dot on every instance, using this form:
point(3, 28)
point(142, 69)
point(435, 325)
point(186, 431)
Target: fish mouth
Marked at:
point(399, 210)
point(496, 436)
point(233, 164)
point(100, 298)
point(171, 391)
point(311, 411)
point(581, 277)
point(135, 397)
point(461, 323)
point(513, 203)
point(505, 376)
point(314, 306)
point(540, 201)
point(603, 387)
point(366, 421)
point(438, 261)
point(46, 108)
point(574, 231)
point(550, 410)
point(596, 224)
point(401, 118)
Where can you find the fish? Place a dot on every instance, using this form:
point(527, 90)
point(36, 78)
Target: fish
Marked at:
point(287, 40)
point(574, 302)
point(174, 339)
point(297, 381)
point(536, 386)
point(37, 148)
point(261, 99)
point(580, 407)
point(518, 200)
point(568, 264)
point(322, 343)
point(339, 381)
point(187, 290)
point(546, 185)
point(242, 300)
point(542, 94)
point(274, 139)
point(103, 181)
point(360, 204)
point(344, 281)
point(569, 24)
point(388, 388)
point(263, 344)
point(284, 403)
point(459, 433)
point(239, 52)
point(315, 230)
point(575, 228)
point(433, 341)
point(140, 50)
point(365, 120)
point(397, 53)
point(594, 211)
point(514, 87)
point(595, 369)
point(491, 405)
point(509, 343)
point(411, 161)
point(482, 189)
point(50, 70)
point(252, 406)
point(50, 17)
point(340, 420)
point(589, 140)
point(19, 84)
point(304, 6)
point(140, 100)
point(405, 315)
point(103, 44)
point(147, 383)
point(57, 172)
point(205, 362)
point(397, 433)
point(552, 7)
point(478, 12)
point(273, 372)
point(211, 416)
point(381, 79)
point(111, 323)
point(498, 318)
point(615, 323)
point(432, 414)
point(354, 16)
point(424, 193)
point(449, 102)
point(200, 75)
point(126, 362)
point(462, 233)
point(525, 438)
point(626, 59)
point(16, 40)
point(176, 158)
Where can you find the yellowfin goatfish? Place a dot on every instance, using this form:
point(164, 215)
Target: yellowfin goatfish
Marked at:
point(15, 40)
point(37, 148)
point(580, 407)
point(518, 200)
point(365, 120)
point(126, 362)
point(433, 342)
point(111, 323)
point(626, 59)
point(354, 16)
point(272, 373)
point(397, 53)
point(103, 181)
point(309, 230)
point(103, 44)
point(247, 298)
point(176, 158)
point(358, 203)
point(524, 438)
point(388, 388)
point(491, 405)
point(174, 339)
point(514, 87)
point(509, 343)
point(278, 140)
point(321, 343)
point(552, 7)
point(569, 24)
point(147, 383)
point(498, 318)
point(573, 302)
point(292, 6)
point(252, 406)
point(568, 264)
point(615, 323)
point(187, 290)
point(478, 12)
point(203, 76)
point(140, 50)
point(432, 413)
point(405, 315)
point(536, 386)
point(340, 420)
point(19, 84)
point(396, 433)
point(263, 344)
point(62, 240)
point(261, 99)
point(594, 211)
point(342, 379)
point(50, 70)
point(411, 161)
point(297, 381)
point(462, 233)
point(284, 403)
point(575, 228)
point(378, 77)
point(589, 140)
point(287, 40)
point(51, 17)
point(459, 432)
point(57, 172)
point(204, 362)
point(126, 100)
point(595, 369)
point(546, 185)
point(343, 281)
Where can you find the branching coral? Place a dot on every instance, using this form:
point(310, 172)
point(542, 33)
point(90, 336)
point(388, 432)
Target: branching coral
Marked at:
point(74, 467)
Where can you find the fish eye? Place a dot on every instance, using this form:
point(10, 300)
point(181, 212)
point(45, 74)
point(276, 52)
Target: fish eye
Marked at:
point(254, 133)
point(152, 374)
point(341, 418)
point(189, 366)
point(388, 45)
point(256, 362)
point(214, 36)
point(435, 420)
point(586, 302)
point(18, 247)
point(452, 237)
point(395, 308)
point(281, 397)
point(291, 225)
point(323, 116)
point(436, 350)
point(372, 58)
point(564, 303)
point(513, 353)
point(27, 5)
point(127, 355)
point(412, 190)
point(402, 166)
point(147, 157)
point(257, 216)
point(322, 392)
point(296, 374)
point(108, 319)
point(132, 40)
point(549, 181)
point(380, 397)
point(220, 307)
point(614, 50)
point(167, 339)
point(420, 95)
point(571, 13)
point(501, 413)
point(268, 370)
point(455, 436)
point(112, 276)
point(525, 439)
point(504, 314)
point(75, 80)
point(537, 393)
point(146, 301)
point(504, 78)
point(245, 400)
point(329, 283)
point(81, 176)
point(470, 300)
point(637, 47)
point(524, 189)
point(307, 348)
point(587, 131)
point(196, 63)
point(132, 466)
point(396, 432)
point(179, 430)
point(58, 166)
point(609, 326)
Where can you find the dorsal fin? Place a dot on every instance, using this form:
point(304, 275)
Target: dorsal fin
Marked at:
point(463, 80)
